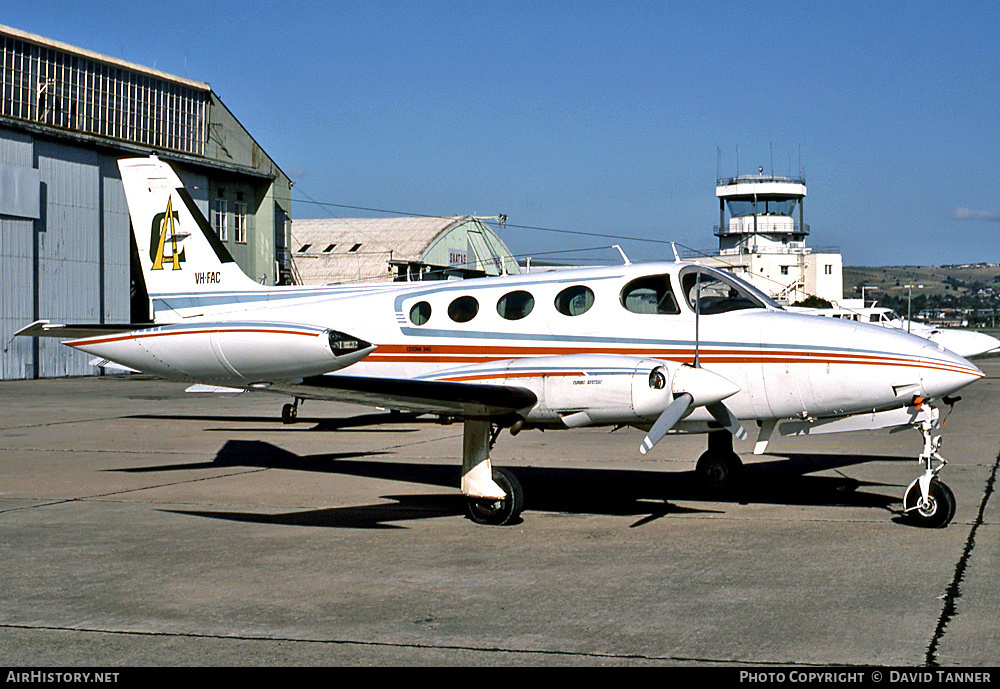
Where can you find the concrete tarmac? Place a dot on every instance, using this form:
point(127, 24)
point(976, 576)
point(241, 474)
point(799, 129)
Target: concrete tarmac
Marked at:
point(141, 525)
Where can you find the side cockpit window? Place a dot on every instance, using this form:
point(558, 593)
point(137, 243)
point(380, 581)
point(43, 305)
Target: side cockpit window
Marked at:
point(710, 292)
point(650, 294)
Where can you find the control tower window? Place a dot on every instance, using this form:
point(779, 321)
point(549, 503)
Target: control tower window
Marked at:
point(764, 206)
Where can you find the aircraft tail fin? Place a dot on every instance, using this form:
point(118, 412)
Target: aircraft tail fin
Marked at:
point(178, 249)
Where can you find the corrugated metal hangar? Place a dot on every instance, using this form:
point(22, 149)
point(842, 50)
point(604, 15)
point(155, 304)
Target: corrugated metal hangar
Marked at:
point(335, 250)
point(66, 116)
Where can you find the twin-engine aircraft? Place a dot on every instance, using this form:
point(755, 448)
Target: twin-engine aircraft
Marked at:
point(663, 347)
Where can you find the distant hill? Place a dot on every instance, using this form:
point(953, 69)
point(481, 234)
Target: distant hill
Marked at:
point(972, 280)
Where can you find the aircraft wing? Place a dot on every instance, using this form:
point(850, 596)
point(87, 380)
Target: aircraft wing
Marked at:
point(468, 400)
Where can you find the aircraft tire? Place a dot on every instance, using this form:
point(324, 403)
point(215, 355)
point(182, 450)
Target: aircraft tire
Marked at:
point(289, 413)
point(940, 508)
point(720, 472)
point(498, 512)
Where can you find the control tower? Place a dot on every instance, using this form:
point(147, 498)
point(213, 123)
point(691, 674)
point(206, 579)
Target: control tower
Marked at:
point(762, 214)
point(763, 239)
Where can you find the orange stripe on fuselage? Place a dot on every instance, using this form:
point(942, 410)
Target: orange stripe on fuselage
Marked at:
point(471, 354)
point(121, 337)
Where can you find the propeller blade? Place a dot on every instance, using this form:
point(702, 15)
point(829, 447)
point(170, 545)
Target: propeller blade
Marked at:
point(721, 413)
point(671, 415)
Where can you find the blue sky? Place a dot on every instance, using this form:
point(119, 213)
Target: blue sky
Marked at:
point(602, 117)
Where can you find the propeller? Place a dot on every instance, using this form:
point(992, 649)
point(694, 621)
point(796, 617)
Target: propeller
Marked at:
point(695, 387)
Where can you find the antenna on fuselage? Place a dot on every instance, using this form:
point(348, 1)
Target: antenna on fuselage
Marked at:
point(624, 257)
point(677, 256)
point(697, 318)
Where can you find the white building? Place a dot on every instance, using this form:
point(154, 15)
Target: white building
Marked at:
point(763, 239)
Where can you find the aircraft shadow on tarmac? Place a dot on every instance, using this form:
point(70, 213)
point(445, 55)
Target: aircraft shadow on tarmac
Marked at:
point(646, 495)
point(372, 423)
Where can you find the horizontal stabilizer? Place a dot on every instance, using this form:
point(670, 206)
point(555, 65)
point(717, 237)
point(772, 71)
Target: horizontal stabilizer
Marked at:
point(45, 328)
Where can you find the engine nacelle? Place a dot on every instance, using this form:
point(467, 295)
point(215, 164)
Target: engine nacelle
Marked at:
point(229, 353)
point(582, 389)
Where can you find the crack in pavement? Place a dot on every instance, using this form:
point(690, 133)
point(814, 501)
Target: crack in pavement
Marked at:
point(954, 590)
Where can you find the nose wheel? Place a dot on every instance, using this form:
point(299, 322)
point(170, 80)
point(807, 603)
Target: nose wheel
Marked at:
point(935, 510)
point(928, 501)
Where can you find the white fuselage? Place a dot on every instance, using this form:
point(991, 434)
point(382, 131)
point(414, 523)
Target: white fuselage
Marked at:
point(786, 365)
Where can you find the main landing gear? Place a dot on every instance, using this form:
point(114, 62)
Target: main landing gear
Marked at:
point(290, 412)
point(720, 469)
point(498, 511)
point(492, 495)
point(928, 501)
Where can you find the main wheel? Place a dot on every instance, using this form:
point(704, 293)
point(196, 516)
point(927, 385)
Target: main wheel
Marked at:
point(289, 413)
point(720, 472)
point(498, 512)
point(936, 513)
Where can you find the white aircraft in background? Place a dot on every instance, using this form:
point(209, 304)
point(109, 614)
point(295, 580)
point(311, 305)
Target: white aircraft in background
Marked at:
point(965, 343)
point(664, 347)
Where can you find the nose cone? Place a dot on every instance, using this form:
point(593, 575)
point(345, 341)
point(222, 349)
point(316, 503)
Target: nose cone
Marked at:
point(943, 372)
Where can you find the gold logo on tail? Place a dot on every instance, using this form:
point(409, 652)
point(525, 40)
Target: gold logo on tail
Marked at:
point(164, 223)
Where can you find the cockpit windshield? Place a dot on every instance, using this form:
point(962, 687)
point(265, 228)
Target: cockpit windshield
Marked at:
point(710, 292)
point(892, 318)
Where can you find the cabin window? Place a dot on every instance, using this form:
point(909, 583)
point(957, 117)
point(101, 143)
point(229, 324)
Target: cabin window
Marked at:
point(574, 301)
point(515, 305)
point(650, 294)
point(463, 309)
point(420, 313)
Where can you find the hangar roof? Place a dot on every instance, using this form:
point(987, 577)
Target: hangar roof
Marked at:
point(334, 250)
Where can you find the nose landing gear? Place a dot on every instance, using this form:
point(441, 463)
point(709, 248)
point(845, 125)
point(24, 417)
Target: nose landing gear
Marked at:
point(928, 501)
